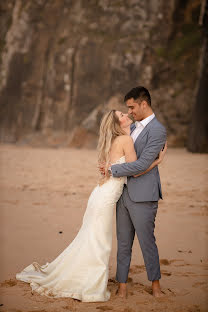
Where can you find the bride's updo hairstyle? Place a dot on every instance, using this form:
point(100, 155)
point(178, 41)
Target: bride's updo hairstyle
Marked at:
point(109, 129)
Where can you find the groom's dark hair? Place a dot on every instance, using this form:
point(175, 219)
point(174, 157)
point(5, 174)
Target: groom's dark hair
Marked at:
point(139, 93)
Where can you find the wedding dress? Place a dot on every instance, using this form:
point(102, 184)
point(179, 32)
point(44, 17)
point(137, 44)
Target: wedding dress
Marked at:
point(81, 270)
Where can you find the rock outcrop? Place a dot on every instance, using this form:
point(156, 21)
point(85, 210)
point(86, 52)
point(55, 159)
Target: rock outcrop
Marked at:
point(63, 63)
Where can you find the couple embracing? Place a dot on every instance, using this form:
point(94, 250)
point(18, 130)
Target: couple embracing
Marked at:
point(128, 156)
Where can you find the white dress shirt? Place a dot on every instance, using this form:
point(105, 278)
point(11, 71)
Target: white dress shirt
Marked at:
point(140, 125)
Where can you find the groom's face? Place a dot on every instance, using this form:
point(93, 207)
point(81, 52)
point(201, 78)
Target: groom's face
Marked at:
point(135, 109)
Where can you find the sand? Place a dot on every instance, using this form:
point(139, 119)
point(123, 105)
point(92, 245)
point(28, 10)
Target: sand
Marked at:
point(43, 196)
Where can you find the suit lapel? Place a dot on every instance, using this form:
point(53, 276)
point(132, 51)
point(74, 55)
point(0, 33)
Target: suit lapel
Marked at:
point(132, 127)
point(144, 131)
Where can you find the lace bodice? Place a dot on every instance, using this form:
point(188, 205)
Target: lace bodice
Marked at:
point(121, 160)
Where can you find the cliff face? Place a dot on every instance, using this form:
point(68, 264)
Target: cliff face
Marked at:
point(65, 62)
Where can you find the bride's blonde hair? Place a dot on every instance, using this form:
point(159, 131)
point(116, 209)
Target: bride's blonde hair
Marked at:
point(109, 129)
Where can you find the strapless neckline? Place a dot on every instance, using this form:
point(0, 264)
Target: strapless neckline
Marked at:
point(122, 158)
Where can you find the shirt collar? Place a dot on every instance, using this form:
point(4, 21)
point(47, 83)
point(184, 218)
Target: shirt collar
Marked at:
point(137, 124)
point(145, 121)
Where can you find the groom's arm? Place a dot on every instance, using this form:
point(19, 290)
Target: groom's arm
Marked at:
point(156, 140)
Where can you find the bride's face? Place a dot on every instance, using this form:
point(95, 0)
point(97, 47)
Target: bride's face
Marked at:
point(124, 120)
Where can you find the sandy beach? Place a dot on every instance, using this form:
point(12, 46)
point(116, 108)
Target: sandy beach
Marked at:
point(43, 196)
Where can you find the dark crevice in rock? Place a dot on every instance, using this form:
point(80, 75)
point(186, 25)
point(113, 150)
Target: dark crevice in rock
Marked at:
point(198, 132)
point(70, 111)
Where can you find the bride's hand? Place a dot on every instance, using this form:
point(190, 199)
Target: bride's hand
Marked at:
point(162, 153)
point(101, 167)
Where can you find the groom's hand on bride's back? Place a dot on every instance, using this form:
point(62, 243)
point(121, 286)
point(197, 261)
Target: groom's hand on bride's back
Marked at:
point(163, 152)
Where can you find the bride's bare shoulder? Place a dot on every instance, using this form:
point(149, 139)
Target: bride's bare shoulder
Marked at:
point(124, 139)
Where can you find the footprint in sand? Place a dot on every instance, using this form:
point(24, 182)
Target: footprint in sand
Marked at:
point(180, 264)
point(166, 292)
point(136, 269)
point(201, 285)
point(170, 292)
point(203, 213)
point(166, 273)
point(8, 283)
point(13, 202)
point(25, 186)
point(111, 280)
point(148, 289)
point(185, 274)
point(198, 284)
point(169, 262)
point(194, 308)
point(164, 262)
point(38, 204)
point(130, 280)
point(66, 194)
point(179, 293)
point(184, 251)
point(105, 308)
point(142, 302)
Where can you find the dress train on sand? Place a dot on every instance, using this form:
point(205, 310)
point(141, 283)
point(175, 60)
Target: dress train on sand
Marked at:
point(81, 270)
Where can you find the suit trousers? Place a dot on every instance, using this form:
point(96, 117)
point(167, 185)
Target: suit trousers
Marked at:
point(136, 217)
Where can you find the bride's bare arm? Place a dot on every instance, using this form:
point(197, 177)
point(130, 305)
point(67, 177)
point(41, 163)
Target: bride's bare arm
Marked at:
point(156, 162)
point(128, 148)
point(125, 144)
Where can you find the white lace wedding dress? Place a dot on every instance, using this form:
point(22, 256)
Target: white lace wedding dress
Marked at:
point(81, 270)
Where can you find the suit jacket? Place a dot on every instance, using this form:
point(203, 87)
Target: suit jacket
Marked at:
point(148, 144)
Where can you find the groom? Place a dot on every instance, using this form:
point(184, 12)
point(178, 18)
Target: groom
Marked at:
point(137, 207)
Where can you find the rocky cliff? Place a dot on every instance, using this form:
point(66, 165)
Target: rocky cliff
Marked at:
point(63, 63)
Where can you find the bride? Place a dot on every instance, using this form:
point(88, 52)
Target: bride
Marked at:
point(81, 270)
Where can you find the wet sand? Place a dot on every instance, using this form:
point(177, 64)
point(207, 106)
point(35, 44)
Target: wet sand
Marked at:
point(43, 196)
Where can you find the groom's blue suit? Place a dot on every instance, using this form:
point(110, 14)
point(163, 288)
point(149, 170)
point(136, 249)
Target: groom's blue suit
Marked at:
point(137, 207)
